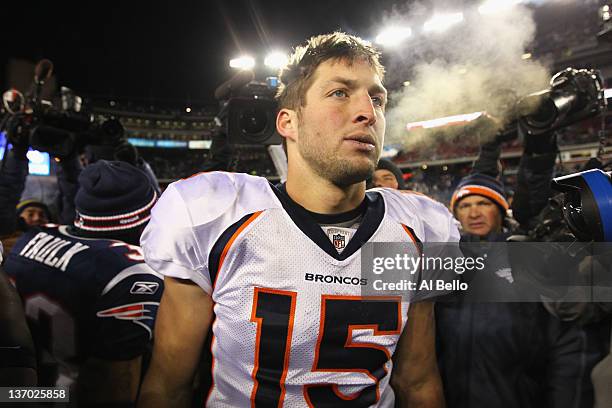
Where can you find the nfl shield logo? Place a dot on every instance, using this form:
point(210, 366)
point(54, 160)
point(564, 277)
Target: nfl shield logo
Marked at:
point(338, 240)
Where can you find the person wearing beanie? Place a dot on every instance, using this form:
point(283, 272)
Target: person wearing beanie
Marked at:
point(114, 200)
point(91, 278)
point(387, 174)
point(486, 341)
point(33, 213)
point(479, 203)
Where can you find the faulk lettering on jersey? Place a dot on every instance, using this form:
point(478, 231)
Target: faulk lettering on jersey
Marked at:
point(51, 251)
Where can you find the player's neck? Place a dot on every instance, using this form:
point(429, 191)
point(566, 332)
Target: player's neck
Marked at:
point(320, 195)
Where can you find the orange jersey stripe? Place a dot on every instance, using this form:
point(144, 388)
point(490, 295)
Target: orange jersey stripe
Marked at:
point(410, 234)
point(233, 238)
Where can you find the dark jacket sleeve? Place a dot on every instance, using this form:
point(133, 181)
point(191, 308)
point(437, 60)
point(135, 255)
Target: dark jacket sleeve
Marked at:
point(487, 160)
point(574, 351)
point(535, 174)
point(533, 186)
point(67, 183)
point(17, 356)
point(13, 174)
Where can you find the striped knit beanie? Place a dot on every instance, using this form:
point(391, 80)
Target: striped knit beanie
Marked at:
point(113, 196)
point(483, 185)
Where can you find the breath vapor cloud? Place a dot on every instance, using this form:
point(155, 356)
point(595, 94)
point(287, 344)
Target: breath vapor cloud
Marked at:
point(477, 65)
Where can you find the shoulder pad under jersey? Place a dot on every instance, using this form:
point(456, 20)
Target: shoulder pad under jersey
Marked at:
point(192, 213)
point(430, 219)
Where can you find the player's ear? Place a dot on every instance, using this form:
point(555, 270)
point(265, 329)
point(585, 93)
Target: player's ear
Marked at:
point(286, 123)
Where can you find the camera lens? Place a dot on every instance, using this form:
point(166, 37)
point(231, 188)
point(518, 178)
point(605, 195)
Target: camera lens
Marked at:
point(253, 121)
point(544, 116)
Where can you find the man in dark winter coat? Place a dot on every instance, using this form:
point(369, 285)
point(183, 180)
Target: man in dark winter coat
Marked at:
point(499, 353)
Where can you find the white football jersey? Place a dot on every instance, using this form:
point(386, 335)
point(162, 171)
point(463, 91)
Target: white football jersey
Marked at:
point(291, 327)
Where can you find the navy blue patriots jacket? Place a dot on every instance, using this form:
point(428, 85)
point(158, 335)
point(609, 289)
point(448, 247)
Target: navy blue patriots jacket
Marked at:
point(83, 298)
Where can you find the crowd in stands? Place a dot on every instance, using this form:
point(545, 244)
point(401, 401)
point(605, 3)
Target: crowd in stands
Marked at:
point(443, 149)
point(436, 183)
point(175, 165)
point(559, 31)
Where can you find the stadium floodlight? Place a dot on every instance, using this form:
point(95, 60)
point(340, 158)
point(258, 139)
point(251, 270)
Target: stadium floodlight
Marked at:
point(442, 22)
point(497, 6)
point(276, 60)
point(605, 12)
point(244, 62)
point(393, 36)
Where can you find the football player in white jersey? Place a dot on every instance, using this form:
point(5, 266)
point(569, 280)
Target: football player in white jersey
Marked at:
point(274, 274)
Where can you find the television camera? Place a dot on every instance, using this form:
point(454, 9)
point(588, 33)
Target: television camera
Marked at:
point(574, 95)
point(583, 210)
point(248, 110)
point(60, 129)
point(586, 204)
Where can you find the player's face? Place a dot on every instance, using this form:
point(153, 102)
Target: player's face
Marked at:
point(34, 216)
point(478, 215)
point(384, 178)
point(342, 125)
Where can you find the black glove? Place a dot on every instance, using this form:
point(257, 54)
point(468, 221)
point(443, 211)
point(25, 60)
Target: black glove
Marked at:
point(19, 140)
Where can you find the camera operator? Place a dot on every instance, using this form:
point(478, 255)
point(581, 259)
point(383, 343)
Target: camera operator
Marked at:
point(511, 354)
point(90, 282)
point(13, 174)
point(17, 216)
point(541, 215)
point(63, 128)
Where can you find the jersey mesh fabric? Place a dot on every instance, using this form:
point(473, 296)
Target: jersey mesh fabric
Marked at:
point(272, 255)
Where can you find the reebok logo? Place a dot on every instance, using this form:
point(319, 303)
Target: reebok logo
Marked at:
point(144, 288)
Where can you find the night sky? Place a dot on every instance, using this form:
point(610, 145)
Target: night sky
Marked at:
point(171, 52)
point(178, 52)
